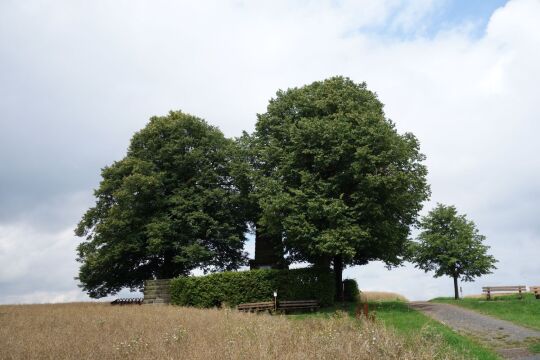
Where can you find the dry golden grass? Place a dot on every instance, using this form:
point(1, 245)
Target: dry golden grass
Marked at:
point(493, 295)
point(101, 331)
point(381, 296)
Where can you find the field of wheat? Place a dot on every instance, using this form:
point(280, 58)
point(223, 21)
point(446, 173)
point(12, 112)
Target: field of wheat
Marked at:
point(102, 331)
point(366, 296)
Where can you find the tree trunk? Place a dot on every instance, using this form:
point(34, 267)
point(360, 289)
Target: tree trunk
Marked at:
point(338, 273)
point(456, 292)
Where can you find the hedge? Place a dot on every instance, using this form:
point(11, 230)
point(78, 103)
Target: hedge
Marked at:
point(233, 288)
point(350, 290)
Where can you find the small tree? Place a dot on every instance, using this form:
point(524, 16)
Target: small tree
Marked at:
point(451, 245)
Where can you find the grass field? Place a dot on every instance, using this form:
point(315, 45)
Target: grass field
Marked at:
point(412, 325)
point(524, 312)
point(102, 331)
point(406, 321)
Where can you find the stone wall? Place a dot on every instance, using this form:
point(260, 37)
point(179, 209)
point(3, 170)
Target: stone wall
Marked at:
point(157, 291)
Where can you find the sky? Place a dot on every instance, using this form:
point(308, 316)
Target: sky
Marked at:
point(78, 78)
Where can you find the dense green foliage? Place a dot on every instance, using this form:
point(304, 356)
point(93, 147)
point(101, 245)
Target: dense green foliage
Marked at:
point(335, 177)
point(451, 245)
point(233, 288)
point(350, 290)
point(325, 179)
point(174, 203)
point(508, 307)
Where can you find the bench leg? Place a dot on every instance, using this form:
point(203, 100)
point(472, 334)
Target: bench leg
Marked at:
point(488, 295)
point(520, 295)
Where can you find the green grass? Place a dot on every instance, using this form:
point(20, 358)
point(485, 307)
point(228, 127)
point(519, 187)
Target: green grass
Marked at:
point(326, 312)
point(535, 348)
point(409, 323)
point(524, 312)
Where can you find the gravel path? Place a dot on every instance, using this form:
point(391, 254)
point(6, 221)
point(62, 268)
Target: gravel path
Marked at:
point(507, 339)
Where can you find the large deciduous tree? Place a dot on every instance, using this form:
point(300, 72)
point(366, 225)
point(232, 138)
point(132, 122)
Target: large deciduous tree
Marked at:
point(334, 176)
point(175, 202)
point(451, 245)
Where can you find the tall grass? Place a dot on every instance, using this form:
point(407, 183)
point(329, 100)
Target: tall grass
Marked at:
point(372, 296)
point(411, 323)
point(101, 331)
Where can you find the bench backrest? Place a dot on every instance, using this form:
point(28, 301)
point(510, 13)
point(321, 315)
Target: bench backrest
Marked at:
point(504, 288)
point(299, 302)
point(281, 304)
point(257, 305)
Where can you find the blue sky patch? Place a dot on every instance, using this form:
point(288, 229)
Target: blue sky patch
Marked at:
point(472, 15)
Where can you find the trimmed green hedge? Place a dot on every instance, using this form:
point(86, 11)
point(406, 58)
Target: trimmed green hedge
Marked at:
point(350, 290)
point(233, 288)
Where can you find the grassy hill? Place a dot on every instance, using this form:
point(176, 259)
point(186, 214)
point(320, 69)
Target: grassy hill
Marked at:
point(524, 312)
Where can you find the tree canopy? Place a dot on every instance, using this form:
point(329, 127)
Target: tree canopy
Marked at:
point(334, 176)
point(325, 178)
point(451, 245)
point(175, 202)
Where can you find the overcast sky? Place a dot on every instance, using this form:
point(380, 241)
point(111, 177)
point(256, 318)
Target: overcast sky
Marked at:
point(78, 78)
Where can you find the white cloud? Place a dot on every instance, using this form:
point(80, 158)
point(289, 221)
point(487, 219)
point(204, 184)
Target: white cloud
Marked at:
point(43, 297)
point(76, 80)
point(37, 263)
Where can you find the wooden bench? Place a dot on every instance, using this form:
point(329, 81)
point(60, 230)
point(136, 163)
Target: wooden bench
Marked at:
point(489, 289)
point(256, 306)
point(289, 305)
point(128, 301)
point(535, 290)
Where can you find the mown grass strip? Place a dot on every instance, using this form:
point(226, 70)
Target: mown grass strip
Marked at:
point(524, 312)
point(410, 323)
point(535, 348)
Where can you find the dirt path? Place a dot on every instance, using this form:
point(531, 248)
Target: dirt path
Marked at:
point(508, 339)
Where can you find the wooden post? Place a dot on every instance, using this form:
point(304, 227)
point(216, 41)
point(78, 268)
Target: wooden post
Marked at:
point(520, 295)
point(488, 294)
point(343, 294)
point(362, 308)
point(366, 310)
